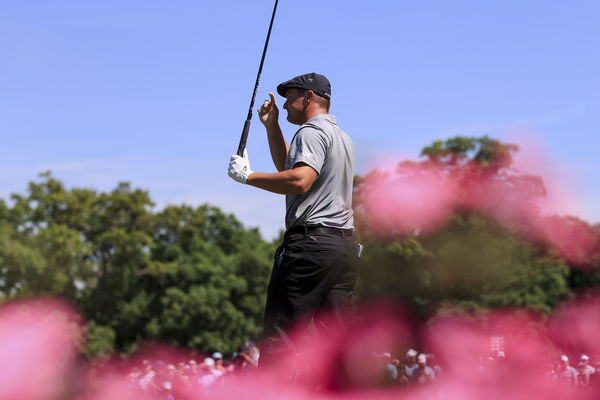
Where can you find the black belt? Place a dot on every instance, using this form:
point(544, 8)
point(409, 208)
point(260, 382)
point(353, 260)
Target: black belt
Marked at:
point(307, 230)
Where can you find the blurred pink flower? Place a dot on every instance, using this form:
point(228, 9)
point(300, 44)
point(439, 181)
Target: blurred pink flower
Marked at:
point(38, 343)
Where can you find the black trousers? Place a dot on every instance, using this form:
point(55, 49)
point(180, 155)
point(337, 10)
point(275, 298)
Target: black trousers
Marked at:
point(314, 274)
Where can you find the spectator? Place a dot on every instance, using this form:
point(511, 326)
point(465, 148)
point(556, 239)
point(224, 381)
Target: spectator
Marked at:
point(192, 369)
point(208, 374)
point(411, 363)
point(396, 363)
point(402, 379)
point(585, 371)
point(218, 357)
point(248, 356)
point(423, 373)
point(566, 372)
point(390, 371)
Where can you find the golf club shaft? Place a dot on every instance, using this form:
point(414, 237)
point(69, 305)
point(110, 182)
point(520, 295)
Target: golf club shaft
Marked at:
point(242, 145)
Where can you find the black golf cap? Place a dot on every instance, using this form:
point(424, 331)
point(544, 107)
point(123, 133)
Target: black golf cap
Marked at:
point(313, 81)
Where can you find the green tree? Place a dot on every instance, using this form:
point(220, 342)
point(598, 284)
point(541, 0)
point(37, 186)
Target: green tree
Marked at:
point(471, 263)
point(186, 276)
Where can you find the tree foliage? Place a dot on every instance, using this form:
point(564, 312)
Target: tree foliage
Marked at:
point(469, 263)
point(186, 276)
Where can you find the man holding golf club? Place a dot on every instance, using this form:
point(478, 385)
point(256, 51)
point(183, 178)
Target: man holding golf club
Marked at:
point(314, 272)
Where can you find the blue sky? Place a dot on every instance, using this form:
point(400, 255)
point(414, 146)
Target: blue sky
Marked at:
point(156, 92)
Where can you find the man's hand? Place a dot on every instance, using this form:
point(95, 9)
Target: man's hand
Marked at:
point(239, 167)
point(269, 113)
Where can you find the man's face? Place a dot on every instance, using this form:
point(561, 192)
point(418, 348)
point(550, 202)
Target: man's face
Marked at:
point(295, 105)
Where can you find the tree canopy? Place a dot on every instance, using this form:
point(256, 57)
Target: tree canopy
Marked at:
point(187, 276)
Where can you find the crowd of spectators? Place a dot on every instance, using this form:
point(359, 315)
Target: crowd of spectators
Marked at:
point(581, 375)
point(414, 368)
point(419, 368)
point(161, 378)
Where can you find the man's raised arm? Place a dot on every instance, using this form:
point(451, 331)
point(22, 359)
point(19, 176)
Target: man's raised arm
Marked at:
point(269, 116)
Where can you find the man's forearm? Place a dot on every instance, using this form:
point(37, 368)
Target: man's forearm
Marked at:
point(290, 181)
point(278, 146)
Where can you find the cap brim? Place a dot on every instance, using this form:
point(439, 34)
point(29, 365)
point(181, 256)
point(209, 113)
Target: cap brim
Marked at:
point(284, 87)
point(281, 89)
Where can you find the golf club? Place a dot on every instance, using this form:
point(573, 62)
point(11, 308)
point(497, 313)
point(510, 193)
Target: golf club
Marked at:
point(242, 145)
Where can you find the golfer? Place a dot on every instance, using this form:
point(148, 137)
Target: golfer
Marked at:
point(314, 272)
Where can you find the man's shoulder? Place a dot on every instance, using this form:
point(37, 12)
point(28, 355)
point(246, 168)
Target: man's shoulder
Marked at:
point(323, 127)
point(309, 132)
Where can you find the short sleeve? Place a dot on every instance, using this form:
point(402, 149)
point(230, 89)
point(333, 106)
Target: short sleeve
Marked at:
point(309, 146)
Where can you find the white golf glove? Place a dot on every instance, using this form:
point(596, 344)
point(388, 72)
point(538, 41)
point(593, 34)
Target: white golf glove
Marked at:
point(239, 167)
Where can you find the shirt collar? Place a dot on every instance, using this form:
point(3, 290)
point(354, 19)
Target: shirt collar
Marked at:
point(327, 117)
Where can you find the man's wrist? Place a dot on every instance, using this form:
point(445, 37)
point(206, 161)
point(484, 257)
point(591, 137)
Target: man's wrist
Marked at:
point(273, 127)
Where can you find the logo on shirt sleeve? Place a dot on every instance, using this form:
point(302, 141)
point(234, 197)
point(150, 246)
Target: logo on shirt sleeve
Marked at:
point(301, 152)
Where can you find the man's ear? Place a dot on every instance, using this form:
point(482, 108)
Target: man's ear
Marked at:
point(308, 96)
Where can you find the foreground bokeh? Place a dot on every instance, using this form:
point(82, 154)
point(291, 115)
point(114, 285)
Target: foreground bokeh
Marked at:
point(505, 354)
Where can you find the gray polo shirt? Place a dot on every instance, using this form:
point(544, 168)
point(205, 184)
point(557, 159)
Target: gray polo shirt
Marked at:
point(322, 145)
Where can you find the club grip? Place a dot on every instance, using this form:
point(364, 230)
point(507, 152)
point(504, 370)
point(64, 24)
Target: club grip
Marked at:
point(242, 145)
